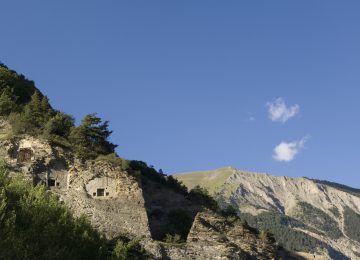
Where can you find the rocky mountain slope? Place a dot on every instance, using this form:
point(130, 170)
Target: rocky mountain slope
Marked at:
point(117, 203)
point(303, 214)
point(79, 166)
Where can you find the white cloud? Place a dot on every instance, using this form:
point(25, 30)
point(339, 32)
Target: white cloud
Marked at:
point(279, 112)
point(286, 152)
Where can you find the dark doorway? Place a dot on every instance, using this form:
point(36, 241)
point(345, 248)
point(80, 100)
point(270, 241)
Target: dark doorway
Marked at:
point(51, 182)
point(100, 192)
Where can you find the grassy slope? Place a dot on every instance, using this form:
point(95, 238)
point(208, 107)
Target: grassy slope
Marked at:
point(206, 179)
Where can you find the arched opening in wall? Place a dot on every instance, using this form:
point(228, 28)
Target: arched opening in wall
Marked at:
point(24, 155)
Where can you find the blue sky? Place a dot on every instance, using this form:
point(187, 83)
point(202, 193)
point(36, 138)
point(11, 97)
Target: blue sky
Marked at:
point(187, 85)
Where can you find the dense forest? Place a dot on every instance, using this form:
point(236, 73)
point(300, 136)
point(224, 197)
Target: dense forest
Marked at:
point(320, 222)
point(352, 224)
point(342, 187)
point(283, 229)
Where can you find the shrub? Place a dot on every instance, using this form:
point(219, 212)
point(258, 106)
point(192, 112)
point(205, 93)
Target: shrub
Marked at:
point(129, 249)
point(176, 185)
point(34, 225)
point(114, 159)
point(179, 222)
point(229, 211)
point(201, 195)
point(266, 237)
point(173, 239)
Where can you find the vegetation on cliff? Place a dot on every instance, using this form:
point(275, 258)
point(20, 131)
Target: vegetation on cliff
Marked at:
point(35, 225)
point(352, 224)
point(29, 112)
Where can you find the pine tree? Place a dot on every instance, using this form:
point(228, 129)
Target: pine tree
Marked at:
point(90, 138)
point(7, 102)
point(58, 129)
point(36, 114)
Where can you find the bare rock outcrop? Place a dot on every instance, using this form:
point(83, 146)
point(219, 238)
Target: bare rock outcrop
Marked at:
point(213, 236)
point(318, 210)
point(118, 203)
point(111, 198)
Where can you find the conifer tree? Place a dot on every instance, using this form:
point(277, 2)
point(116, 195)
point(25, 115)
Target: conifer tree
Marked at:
point(90, 138)
point(58, 128)
point(36, 114)
point(7, 102)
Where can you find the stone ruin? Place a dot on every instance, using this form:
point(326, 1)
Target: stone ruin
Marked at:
point(102, 188)
point(117, 204)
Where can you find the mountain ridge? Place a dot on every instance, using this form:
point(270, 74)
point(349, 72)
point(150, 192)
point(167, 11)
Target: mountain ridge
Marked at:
point(122, 199)
point(78, 164)
point(258, 198)
point(334, 184)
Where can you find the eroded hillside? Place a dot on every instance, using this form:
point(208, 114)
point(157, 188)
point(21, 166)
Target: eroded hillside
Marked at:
point(78, 164)
point(117, 203)
point(303, 214)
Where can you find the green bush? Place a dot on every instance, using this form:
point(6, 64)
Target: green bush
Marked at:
point(173, 239)
point(129, 249)
point(33, 225)
point(114, 159)
point(266, 237)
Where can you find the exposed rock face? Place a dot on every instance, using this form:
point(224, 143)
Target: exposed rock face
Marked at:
point(215, 237)
point(319, 208)
point(117, 203)
point(111, 198)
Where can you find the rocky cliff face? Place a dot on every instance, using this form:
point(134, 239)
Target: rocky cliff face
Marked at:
point(215, 237)
point(321, 215)
point(111, 198)
point(118, 203)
